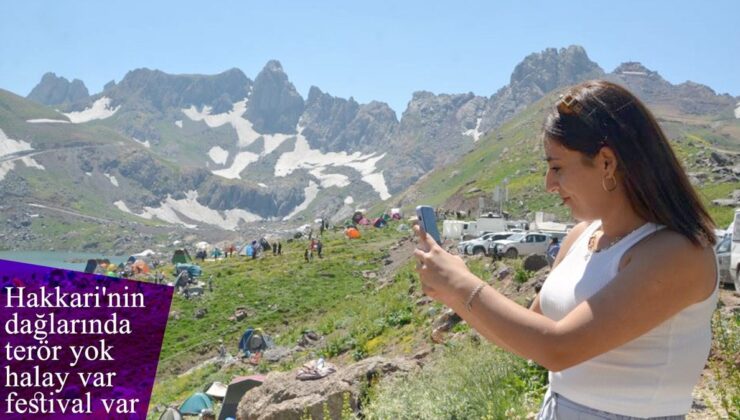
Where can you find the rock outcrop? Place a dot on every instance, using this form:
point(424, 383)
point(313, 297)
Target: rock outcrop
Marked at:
point(274, 105)
point(53, 90)
point(281, 396)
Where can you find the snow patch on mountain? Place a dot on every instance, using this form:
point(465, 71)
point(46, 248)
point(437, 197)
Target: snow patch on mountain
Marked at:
point(10, 147)
point(46, 120)
point(112, 179)
point(218, 155)
point(474, 132)
point(143, 143)
point(349, 200)
point(178, 123)
point(170, 211)
point(99, 110)
point(310, 194)
point(329, 180)
point(241, 161)
point(737, 111)
point(303, 157)
point(244, 131)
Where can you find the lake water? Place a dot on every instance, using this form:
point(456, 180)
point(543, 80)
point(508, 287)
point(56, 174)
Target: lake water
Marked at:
point(58, 259)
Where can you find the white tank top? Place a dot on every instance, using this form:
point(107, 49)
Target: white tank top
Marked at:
point(650, 376)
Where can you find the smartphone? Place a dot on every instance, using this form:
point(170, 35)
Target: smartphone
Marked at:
point(428, 221)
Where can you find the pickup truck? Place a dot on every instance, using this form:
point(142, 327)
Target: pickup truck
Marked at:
point(481, 245)
point(520, 244)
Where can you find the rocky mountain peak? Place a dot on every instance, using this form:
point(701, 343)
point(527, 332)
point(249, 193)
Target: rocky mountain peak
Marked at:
point(181, 91)
point(274, 105)
point(54, 90)
point(552, 68)
point(538, 74)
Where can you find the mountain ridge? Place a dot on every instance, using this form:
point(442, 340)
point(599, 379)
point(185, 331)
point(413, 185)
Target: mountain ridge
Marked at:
point(224, 142)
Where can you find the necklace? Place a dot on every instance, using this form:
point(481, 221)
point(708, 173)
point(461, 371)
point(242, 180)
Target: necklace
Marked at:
point(591, 247)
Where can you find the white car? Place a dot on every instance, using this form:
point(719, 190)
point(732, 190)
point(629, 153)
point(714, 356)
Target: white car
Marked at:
point(481, 245)
point(727, 275)
point(521, 244)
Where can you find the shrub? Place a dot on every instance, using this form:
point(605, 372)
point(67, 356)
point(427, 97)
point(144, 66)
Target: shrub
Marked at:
point(468, 381)
point(723, 363)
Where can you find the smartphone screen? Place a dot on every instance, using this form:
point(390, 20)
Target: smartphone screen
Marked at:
point(428, 221)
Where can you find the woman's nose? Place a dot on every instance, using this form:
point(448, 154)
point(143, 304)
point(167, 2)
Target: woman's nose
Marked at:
point(551, 184)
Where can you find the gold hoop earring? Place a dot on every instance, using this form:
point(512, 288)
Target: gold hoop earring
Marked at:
point(613, 186)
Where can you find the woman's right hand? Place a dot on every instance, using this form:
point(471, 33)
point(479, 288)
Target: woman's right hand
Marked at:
point(444, 277)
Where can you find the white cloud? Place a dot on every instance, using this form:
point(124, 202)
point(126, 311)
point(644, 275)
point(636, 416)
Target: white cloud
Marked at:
point(310, 194)
point(99, 110)
point(218, 155)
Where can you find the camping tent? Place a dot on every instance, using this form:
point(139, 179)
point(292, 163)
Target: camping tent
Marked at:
point(247, 250)
point(216, 390)
point(352, 233)
point(237, 388)
point(379, 222)
point(196, 403)
point(252, 341)
point(181, 256)
point(92, 264)
point(171, 413)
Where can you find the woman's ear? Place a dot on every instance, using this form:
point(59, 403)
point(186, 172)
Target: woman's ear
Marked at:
point(608, 161)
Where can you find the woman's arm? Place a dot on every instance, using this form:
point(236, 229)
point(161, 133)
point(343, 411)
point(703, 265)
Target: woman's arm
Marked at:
point(665, 274)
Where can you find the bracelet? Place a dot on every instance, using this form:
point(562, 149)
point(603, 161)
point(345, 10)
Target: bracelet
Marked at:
point(472, 295)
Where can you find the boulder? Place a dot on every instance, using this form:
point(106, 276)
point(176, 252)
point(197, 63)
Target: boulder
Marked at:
point(535, 262)
point(281, 396)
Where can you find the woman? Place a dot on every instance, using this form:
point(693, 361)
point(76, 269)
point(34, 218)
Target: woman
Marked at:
point(623, 320)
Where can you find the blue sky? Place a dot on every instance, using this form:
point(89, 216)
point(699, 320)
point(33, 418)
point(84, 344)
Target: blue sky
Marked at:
point(371, 50)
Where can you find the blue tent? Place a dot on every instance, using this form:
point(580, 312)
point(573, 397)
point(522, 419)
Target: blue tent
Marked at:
point(252, 341)
point(196, 403)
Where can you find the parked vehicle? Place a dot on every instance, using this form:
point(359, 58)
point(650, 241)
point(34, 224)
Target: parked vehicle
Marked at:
point(481, 245)
point(723, 249)
point(520, 244)
point(734, 266)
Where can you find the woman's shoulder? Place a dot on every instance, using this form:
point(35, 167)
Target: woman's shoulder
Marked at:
point(676, 253)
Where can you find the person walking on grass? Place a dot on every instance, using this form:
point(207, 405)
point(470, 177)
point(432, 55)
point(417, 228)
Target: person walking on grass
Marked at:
point(622, 322)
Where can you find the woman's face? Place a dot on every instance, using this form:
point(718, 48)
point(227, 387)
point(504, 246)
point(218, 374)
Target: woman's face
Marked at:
point(577, 179)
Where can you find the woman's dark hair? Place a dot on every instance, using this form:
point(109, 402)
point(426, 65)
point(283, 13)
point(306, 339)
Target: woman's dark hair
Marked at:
point(598, 113)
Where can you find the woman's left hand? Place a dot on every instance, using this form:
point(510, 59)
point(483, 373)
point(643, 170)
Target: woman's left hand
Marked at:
point(443, 275)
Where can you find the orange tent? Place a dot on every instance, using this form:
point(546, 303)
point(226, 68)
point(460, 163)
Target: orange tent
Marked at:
point(352, 233)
